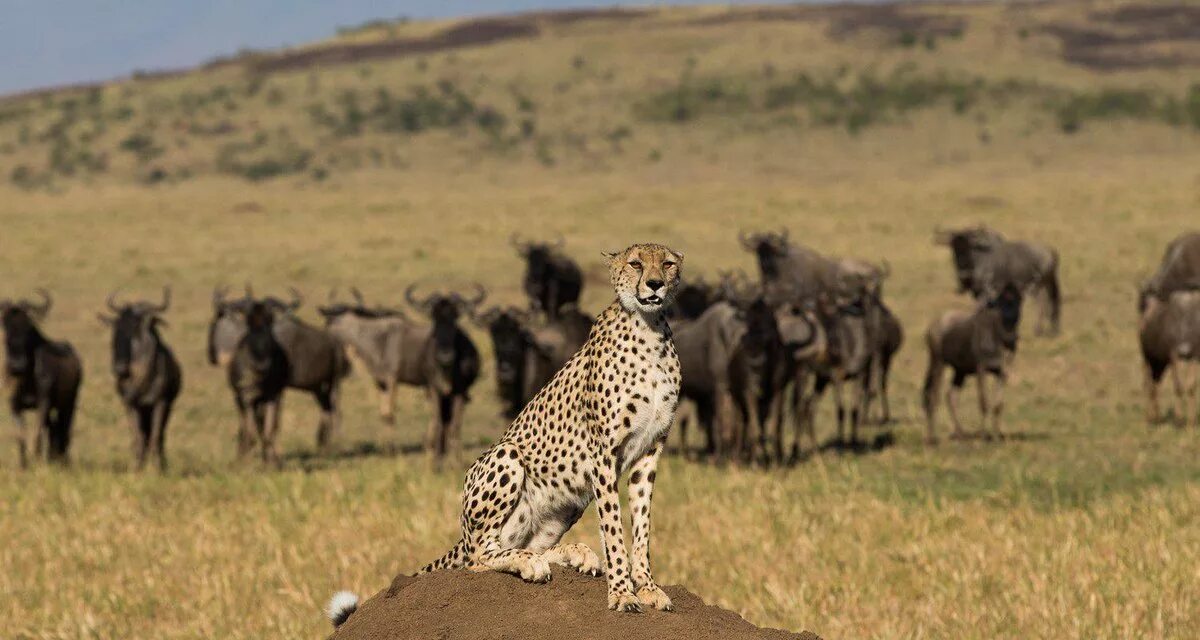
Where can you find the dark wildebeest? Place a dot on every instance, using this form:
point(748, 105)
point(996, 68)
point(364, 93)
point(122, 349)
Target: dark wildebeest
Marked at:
point(984, 261)
point(788, 269)
point(258, 374)
point(692, 299)
point(849, 349)
point(528, 353)
point(437, 356)
point(972, 343)
point(1179, 269)
point(552, 280)
point(316, 361)
point(147, 374)
point(705, 347)
point(889, 337)
point(1169, 335)
point(42, 375)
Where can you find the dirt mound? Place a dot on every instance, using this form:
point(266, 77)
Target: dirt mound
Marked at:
point(461, 605)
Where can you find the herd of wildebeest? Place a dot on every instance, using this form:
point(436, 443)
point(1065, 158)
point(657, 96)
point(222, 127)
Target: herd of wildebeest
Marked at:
point(753, 351)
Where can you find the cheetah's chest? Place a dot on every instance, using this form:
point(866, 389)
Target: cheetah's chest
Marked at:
point(654, 395)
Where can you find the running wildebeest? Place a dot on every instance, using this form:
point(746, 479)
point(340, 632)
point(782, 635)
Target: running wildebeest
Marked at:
point(972, 343)
point(42, 375)
point(258, 374)
point(552, 280)
point(437, 356)
point(984, 261)
point(1169, 336)
point(147, 374)
point(528, 353)
point(1179, 268)
point(316, 362)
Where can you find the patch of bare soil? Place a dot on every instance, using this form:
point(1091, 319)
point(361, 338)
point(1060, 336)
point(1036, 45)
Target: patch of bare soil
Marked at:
point(461, 605)
point(844, 21)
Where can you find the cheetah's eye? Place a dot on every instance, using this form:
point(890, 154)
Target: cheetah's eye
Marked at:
point(668, 264)
point(636, 265)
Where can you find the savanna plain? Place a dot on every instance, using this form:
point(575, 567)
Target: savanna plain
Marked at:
point(667, 126)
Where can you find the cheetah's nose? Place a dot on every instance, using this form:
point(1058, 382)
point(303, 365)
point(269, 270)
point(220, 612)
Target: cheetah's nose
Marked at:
point(654, 285)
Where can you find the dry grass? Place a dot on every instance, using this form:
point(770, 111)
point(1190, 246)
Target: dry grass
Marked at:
point(1082, 527)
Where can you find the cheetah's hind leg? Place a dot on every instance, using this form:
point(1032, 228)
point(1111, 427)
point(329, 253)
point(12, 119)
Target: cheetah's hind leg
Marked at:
point(494, 497)
point(576, 555)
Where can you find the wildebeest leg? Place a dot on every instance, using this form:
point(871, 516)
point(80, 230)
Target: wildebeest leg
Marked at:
point(984, 413)
point(704, 414)
point(777, 424)
point(269, 428)
point(1053, 308)
point(1151, 388)
point(387, 402)
point(750, 426)
point(24, 451)
point(998, 406)
point(929, 398)
point(137, 442)
point(247, 429)
point(725, 425)
point(885, 406)
point(158, 429)
point(858, 410)
point(683, 415)
point(435, 426)
point(325, 430)
point(841, 409)
point(454, 443)
point(1180, 401)
point(45, 424)
point(952, 404)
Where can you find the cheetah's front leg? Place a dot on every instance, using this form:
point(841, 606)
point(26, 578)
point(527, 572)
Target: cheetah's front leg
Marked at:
point(612, 533)
point(641, 488)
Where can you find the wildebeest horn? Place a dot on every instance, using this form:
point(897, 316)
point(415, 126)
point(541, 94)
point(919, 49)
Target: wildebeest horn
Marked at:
point(885, 270)
point(479, 297)
point(747, 240)
point(166, 301)
point(218, 296)
point(358, 296)
point(515, 241)
point(412, 300)
point(44, 308)
point(111, 302)
point(297, 299)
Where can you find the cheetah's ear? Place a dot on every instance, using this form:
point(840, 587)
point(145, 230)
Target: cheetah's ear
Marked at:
point(610, 256)
point(678, 256)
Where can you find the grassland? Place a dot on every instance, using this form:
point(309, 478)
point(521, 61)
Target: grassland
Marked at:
point(1082, 526)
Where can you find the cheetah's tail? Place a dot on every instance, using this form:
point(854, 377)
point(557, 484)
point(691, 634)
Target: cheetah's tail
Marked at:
point(340, 607)
point(455, 558)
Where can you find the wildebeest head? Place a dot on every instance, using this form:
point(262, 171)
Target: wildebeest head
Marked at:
point(966, 245)
point(1007, 302)
point(337, 313)
point(21, 335)
point(259, 341)
point(135, 333)
point(228, 323)
point(508, 327)
point(769, 247)
point(692, 298)
point(445, 309)
point(539, 263)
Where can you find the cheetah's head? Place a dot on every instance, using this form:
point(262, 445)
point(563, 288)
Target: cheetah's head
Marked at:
point(645, 276)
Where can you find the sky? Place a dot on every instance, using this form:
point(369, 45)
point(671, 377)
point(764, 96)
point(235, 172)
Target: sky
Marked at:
point(55, 42)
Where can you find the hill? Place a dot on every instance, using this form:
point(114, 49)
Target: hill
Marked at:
point(597, 88)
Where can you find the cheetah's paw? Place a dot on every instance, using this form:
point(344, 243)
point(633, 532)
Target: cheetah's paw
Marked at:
point(581, 558)
point(624, 601)
point(653, 596)
point(536, 569)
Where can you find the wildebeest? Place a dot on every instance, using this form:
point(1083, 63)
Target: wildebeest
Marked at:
point(437, 356)
point(984, 260)
point(316, 361)
point(705, 347)
point(692, 299)
point(1169, 335)
point(849, 347)
point(552, 280)
point(791, 269)
point(1179, 268)
point(889, 337)
point(972, 343)
point(528, 352)
point(148, 376)
point(258, 374)
point(42, 375)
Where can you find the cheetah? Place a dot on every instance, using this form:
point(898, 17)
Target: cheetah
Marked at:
point(605, 412)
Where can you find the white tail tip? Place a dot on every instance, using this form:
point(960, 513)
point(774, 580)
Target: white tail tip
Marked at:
point(340, 607)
